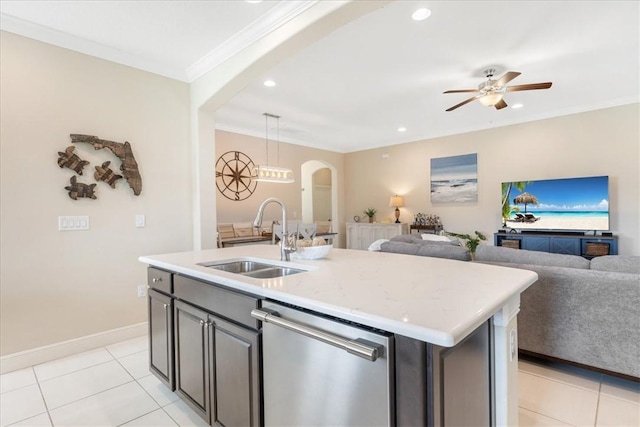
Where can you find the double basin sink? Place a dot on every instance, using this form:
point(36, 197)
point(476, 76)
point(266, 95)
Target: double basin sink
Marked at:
point(251, 268)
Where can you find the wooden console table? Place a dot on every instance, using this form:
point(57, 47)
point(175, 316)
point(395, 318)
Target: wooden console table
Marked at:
point(435, 229)
point(572, 244)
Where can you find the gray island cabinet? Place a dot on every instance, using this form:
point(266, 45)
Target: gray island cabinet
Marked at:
point(205, 347)
point(229, 345)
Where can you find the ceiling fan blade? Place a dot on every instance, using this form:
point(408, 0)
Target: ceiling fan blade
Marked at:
point(461, 91)
point(466, 101)
point(531, 86)
point(500, 105)
point(508, 76)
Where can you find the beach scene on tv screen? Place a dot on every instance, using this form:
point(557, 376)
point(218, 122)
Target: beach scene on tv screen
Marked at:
point(557, 204)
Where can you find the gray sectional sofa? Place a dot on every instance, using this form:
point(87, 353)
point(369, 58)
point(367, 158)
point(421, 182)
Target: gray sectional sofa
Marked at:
point(583, 311)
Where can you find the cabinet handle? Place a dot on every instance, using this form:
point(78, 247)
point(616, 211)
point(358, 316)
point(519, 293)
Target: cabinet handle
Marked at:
point(202, 323)
point(165, 306)
point(156, 279)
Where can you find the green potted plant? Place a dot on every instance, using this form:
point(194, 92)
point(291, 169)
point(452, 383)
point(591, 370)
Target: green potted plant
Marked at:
point(471, 242)
point(370, 212)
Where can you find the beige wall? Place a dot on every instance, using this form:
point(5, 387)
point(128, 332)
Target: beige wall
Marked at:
point(292, 156)
point(57, 286)
point(602, 142)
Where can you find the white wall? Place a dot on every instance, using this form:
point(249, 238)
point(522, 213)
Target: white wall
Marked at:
point(602, 142)
point(57, 286)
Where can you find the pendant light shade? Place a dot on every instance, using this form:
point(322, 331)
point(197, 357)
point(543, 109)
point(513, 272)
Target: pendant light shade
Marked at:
point(265, 173)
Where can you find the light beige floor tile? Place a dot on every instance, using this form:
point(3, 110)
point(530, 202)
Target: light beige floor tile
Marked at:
point(528, 418)
point(157, 390)
point(59, 367)
point(109, 408)
point(563, 373)
point(125, 348)
point(41, 420)
point(617, 412)
point(157, 418)
point(621, 389)
point(559, 400)
point(137, 364)
point(77, 385)
point(16, 379)
point(183, 415)
point(20, 404)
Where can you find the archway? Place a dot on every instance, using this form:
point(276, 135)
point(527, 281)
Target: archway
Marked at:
point(308, 169)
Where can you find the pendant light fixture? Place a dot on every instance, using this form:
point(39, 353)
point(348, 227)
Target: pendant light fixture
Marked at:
point(264, 173)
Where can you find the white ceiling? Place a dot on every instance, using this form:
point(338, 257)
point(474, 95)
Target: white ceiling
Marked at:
point(353, 89)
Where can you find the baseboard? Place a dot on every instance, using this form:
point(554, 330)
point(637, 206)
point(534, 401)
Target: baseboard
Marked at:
point(24, 359)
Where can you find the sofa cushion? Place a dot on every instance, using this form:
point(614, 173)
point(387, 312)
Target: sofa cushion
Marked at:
point(444, 251)
point(617, 263)
point(399, 247)
point(487, 253)
point(407, 238)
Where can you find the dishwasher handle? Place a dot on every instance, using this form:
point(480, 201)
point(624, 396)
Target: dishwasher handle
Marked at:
point(356, 347)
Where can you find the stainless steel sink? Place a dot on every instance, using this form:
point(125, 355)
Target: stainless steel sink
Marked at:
point(272, 272)
point(250, 268)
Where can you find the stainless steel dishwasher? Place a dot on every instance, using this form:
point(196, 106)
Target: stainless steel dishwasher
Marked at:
point(320, 371)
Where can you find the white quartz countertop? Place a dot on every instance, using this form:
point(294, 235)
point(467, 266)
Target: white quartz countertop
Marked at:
point(431, 299)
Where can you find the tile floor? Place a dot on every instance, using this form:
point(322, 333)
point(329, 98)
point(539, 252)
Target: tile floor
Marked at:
point(112, 386)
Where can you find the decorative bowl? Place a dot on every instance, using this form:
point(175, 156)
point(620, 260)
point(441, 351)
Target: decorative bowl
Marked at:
point(312, 252)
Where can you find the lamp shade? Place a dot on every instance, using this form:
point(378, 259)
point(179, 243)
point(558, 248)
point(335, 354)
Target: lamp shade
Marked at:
point(272, 174)
point(396, 201)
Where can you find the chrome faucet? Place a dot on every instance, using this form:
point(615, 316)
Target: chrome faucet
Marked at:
point(288, 241)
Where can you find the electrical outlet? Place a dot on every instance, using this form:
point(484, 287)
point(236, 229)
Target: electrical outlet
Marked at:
point(142, 291)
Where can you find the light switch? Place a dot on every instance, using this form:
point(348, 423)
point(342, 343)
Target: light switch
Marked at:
point(73, 223)
point(140, 221)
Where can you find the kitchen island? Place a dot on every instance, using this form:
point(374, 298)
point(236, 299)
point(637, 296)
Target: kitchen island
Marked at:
point(427, 305)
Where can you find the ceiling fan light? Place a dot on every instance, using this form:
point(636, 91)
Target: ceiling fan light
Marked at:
point(491, 99)
point(421, 14)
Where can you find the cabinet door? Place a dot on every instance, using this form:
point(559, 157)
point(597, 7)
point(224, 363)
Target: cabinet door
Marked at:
point(387, 232)
point(192, 358)
point(161, 337)
point(365, 237)
point(352, 236)
point(535, 244)
point(564, 245)
point(236, 377)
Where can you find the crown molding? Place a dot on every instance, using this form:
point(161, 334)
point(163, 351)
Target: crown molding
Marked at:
point(58, 38)
point(280, 14)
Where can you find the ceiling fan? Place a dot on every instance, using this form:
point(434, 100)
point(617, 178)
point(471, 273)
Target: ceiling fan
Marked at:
point(491, 92)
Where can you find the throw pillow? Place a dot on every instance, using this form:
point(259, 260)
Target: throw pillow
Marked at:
point(437, 238)
point(375, 246)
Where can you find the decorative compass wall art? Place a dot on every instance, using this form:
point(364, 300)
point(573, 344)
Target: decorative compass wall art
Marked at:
point(233, 176)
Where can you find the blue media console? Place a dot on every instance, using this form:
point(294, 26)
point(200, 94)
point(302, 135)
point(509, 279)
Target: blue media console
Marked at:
point(572, 244)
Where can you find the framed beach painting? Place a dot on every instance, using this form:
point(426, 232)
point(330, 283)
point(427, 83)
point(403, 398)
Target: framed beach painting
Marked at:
point(454, 179)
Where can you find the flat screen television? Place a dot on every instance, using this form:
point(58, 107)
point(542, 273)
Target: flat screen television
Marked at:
point(578, 204)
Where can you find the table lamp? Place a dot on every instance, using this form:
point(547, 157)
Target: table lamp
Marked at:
point(396, 202)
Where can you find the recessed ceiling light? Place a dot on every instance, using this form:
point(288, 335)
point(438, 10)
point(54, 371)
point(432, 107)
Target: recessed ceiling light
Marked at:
point(421, 14)
point(401, 129)
point(516, 106)
point(269, 83)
